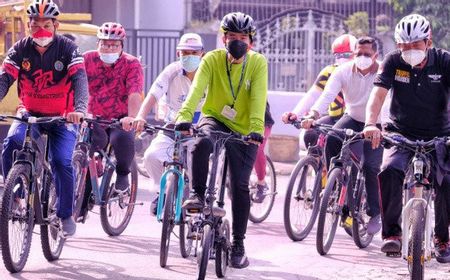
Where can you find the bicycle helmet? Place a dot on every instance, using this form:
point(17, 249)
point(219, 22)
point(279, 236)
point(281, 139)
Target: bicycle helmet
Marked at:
point(111, 31)
point(238, 22)
point(344, 44)
point(412, 28)
point(43, 9)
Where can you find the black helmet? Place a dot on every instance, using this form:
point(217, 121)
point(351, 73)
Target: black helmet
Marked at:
point(43, 9)
point(238, 22)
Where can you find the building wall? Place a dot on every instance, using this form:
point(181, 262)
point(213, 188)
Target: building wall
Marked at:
point(160, 14)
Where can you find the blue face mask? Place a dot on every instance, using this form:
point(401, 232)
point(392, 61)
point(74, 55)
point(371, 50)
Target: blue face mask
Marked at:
point(190, 63)
point(109, 58)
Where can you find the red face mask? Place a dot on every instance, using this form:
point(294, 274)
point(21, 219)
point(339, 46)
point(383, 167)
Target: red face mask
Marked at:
point(42, 37)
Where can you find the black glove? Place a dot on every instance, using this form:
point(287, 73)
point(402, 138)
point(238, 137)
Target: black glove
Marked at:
point(256, 137)
point(183, 126)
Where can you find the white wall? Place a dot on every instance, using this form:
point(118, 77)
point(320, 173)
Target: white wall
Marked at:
point(281, 102)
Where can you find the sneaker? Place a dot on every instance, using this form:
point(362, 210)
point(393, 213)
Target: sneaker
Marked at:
point(374, 225)
point(194, 202)
point(238, 258)
point(392, 244)
point(442, 251)
point(260, 193)
point(122, 183)
point(69, 226)
point(154, 205)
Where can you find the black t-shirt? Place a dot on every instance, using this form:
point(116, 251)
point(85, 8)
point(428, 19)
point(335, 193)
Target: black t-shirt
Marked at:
point(419, 96)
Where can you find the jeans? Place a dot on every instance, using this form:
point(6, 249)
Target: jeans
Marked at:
point(62, 140)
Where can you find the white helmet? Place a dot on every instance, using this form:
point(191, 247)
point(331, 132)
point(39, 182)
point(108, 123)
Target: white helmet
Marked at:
point(412, 28)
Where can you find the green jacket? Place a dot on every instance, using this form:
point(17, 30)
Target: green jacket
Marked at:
point(251, 99)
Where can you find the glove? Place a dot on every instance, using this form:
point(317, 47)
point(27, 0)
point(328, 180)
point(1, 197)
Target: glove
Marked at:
point(183, 126)
point(256, 137)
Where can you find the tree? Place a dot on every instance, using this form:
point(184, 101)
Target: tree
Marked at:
point(358, 24)
point(436, 11)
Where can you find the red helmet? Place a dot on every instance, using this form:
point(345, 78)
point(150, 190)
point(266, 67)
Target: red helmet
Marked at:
point(344, 44)
point(111, 31)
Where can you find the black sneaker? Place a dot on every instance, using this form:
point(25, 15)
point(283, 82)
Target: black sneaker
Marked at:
point(194, 202)
point(238, 258)
point(392, 244)
point(442, 251)
point(154, 205)
point(122, 183)
point(260, 193)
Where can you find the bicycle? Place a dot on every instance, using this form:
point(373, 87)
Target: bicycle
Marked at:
point(307, 179)
point(90, 165)
point(417, 202)
point(344, 196)
point(172, 193)
point(30, 198)
point(211, 225)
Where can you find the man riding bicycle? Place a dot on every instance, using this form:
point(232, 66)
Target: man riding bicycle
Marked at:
point(419, 78)
point(116, 82)
point(170, 90)
point(355, 80)
point(51, 82)
point(236, 78)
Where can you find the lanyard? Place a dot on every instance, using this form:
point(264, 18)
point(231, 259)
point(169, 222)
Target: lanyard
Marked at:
point(240, 79)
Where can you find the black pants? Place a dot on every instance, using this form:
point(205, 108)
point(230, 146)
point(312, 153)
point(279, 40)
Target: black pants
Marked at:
point(370, 158)
point(240, 159)
point(122, 142)
point(311, 135)
point(395, 164)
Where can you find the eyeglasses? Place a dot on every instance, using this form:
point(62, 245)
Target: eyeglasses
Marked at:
point(343, 55)
point(112, 47)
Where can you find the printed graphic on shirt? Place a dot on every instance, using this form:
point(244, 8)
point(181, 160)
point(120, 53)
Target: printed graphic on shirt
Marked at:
point(402, 76)
point(26, 65)
point(435, 78)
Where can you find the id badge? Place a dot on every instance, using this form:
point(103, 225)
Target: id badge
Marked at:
point(229, 112)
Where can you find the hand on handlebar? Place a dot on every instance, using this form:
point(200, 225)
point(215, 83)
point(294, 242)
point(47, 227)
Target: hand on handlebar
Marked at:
point(288, 117)
point(74, 117)
point(138, 124)
point(372, 133)
point(127, 123)
point(255, 138)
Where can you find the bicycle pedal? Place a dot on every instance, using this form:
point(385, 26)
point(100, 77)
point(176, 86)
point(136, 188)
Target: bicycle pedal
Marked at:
point(193, 211)
point(393, 254)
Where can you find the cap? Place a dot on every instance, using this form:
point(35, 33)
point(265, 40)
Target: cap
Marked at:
point(190, 41)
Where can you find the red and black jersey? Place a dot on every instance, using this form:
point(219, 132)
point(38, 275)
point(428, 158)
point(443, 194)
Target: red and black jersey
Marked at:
point(44, 81)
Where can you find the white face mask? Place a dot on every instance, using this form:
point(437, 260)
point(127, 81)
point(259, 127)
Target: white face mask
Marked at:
point(363, 62)
point(413, 57)
point(109, 58)
point(43, 41)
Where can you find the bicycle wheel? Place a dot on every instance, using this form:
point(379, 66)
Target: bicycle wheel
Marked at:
point(360, 218)
point(79, 163)
point(168, 218)
point(416, 250)
point(223, 246)
point(186, 233)
point(116, 212)
point(302, 200)
point(16, 218)
point(204, 251)
point(329, 212)
point(259, 211)
point(52, 239)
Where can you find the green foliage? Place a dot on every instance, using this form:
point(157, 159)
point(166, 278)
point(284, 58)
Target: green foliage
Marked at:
point(358, 24)
point(436, 11)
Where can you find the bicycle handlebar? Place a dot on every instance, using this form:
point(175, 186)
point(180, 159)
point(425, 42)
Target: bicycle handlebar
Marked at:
point(399, 140)
point(34, 120)
point(326, 129)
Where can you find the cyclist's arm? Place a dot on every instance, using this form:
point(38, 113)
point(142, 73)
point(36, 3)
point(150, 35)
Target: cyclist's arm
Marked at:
point(258, 96)
point(334, 85)
point(77, 73)
point(135, 86)
point(305, 104)
point(374, 105)
point(9, 71)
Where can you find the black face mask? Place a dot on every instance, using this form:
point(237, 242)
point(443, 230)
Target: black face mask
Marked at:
point(237, 48)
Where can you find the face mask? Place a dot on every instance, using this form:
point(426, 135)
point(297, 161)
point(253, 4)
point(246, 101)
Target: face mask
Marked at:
point(190, 63)
point(363, 62)
point(42, 37)
point(413, 57)
point(109, 58)
point(237, 48)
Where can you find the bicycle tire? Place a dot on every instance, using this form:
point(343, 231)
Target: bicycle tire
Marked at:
point(186, 244)
point(168, 218)
point(223, 246)
point(19, 174)
point(105, 209)
point(301, 173)
point(416, 250)
point(360, 218)
point(204, 251)
point(269, 200)
point(52, 240)
point(79, 163)
point(332, 192)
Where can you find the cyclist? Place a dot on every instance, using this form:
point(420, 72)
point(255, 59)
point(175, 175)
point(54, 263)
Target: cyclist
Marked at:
point(419, 77)
point(260, 162)
point(115, 86)
point(51, 82)
point(355, 80)
point(236, 78)
point(343, 48)
point(170, 90)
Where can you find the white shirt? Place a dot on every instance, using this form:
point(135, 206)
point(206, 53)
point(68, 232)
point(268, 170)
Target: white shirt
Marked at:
point(355, 88)
point(171, 88)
